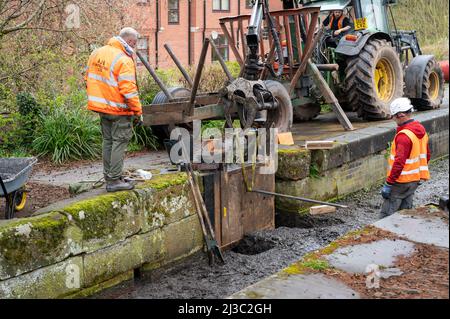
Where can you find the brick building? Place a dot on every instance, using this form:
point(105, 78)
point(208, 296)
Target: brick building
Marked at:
point(184, 24)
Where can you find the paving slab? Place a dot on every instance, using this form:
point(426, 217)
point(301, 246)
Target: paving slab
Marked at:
point(314, 286)
point(355, 259)
point(430, 230)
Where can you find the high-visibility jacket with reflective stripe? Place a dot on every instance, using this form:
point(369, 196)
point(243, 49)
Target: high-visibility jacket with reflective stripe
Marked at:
point(416, 166)
point(111, 81)
point(340, 21)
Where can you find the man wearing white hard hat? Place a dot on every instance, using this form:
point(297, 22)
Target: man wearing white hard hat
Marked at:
point(408, 161)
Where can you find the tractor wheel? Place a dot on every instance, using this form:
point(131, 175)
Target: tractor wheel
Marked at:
point(373, 80)
point(162, 131)
point(282, 116)
point(432, 88)
point(306, 112)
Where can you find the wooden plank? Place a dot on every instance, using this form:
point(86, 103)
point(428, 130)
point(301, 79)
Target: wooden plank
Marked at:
point(217, 209)
point(232, 229)
point(258, 209)
point(285, 139)
point(244, 40)
point(298, 38)
point(330, 97)
point(319, 145)
point(321, 210)
point(232, 44)
point(287, 30)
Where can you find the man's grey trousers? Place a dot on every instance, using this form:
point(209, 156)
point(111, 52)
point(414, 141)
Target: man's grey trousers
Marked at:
point(117, 132)
point(401, 198)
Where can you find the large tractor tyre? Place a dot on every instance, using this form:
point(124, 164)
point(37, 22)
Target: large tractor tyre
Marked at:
point(306, 112)
point(432, 88)
point(162, 131)
point(373, 80)
point(282, 116)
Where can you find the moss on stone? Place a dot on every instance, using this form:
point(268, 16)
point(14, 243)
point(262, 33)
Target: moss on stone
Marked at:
point(293, 164)
point(32, 242)
point(170, 206)
point(98, 217)
point(164, 181)
point(310, 262)
point(253, 295)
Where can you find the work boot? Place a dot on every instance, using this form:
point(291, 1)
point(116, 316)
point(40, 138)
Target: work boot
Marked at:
point(118, 185)
point(128, 180)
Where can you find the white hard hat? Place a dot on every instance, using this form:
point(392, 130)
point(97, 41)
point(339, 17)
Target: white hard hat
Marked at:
point(401, 105)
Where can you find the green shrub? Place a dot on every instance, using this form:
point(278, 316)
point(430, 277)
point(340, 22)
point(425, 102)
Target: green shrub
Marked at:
point(68, 134)
point(26, 104)
point(29, 111)
point(143, 137)
point(11, 133)
point(148, 88)
point(7, 100)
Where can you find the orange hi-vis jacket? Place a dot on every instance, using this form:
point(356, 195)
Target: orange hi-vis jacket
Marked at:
point(416, 166)
point(340, 22)
point(111, 81)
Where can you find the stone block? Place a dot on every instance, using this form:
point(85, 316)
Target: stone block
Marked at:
point(107, 219)
point(182, 238)
point(321, 188)
point(35, 242)
point(106, 263)
point(293, 164)
point(57, 280)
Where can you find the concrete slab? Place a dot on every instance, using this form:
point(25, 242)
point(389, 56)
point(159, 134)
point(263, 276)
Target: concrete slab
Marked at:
point(355, 259)
point(430, 230)
point(314, 286)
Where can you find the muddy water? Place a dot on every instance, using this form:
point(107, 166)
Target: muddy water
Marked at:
point(267, 252)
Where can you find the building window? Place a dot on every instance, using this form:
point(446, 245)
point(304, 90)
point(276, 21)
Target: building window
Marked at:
point(249, 4)
point(142, 48)
point(174, 11)
point(222, 46)
point(221, 5)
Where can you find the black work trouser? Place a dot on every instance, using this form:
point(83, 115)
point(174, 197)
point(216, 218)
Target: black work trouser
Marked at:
point(402, 196)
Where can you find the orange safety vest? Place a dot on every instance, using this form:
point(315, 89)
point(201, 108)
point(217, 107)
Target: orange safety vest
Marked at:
point(111, 81)
point(416, 166)
point(340, 22)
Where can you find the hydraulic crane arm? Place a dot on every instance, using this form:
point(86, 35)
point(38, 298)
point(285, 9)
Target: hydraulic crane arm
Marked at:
point(252, 66)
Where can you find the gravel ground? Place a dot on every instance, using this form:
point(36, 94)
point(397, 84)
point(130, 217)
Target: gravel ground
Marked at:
point(194, 278)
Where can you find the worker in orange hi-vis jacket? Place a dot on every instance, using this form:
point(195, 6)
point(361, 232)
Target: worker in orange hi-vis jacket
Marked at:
point(113, 93)
point(408, 160)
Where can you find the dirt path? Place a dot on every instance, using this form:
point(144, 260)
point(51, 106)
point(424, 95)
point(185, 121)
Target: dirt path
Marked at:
point(193, 278)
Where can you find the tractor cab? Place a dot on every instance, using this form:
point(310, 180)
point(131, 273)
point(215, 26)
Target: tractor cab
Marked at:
point(370, 15)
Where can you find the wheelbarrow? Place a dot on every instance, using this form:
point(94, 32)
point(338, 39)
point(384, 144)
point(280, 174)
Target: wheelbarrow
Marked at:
point(14, 173)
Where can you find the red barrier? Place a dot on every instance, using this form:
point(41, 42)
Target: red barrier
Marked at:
point(445, 69)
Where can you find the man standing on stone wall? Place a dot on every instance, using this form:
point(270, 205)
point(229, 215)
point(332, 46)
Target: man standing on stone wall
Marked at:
point(113, 93)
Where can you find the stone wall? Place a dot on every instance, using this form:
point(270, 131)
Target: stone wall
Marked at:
point(98, 242)
point(357, 160)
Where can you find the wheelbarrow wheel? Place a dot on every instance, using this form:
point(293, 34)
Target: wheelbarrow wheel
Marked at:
point(20, 200)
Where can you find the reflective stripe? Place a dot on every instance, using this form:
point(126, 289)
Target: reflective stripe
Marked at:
point(424, 168)
point(113, 64)
point(131, 95)
point(423, 156)
point(414, 171)
point(107, 102)
point(412, 161)
point(408, 161)
point(126, 78)
point(103, 79)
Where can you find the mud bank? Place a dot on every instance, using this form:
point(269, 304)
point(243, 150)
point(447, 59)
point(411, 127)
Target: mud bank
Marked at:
point(194, 278)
